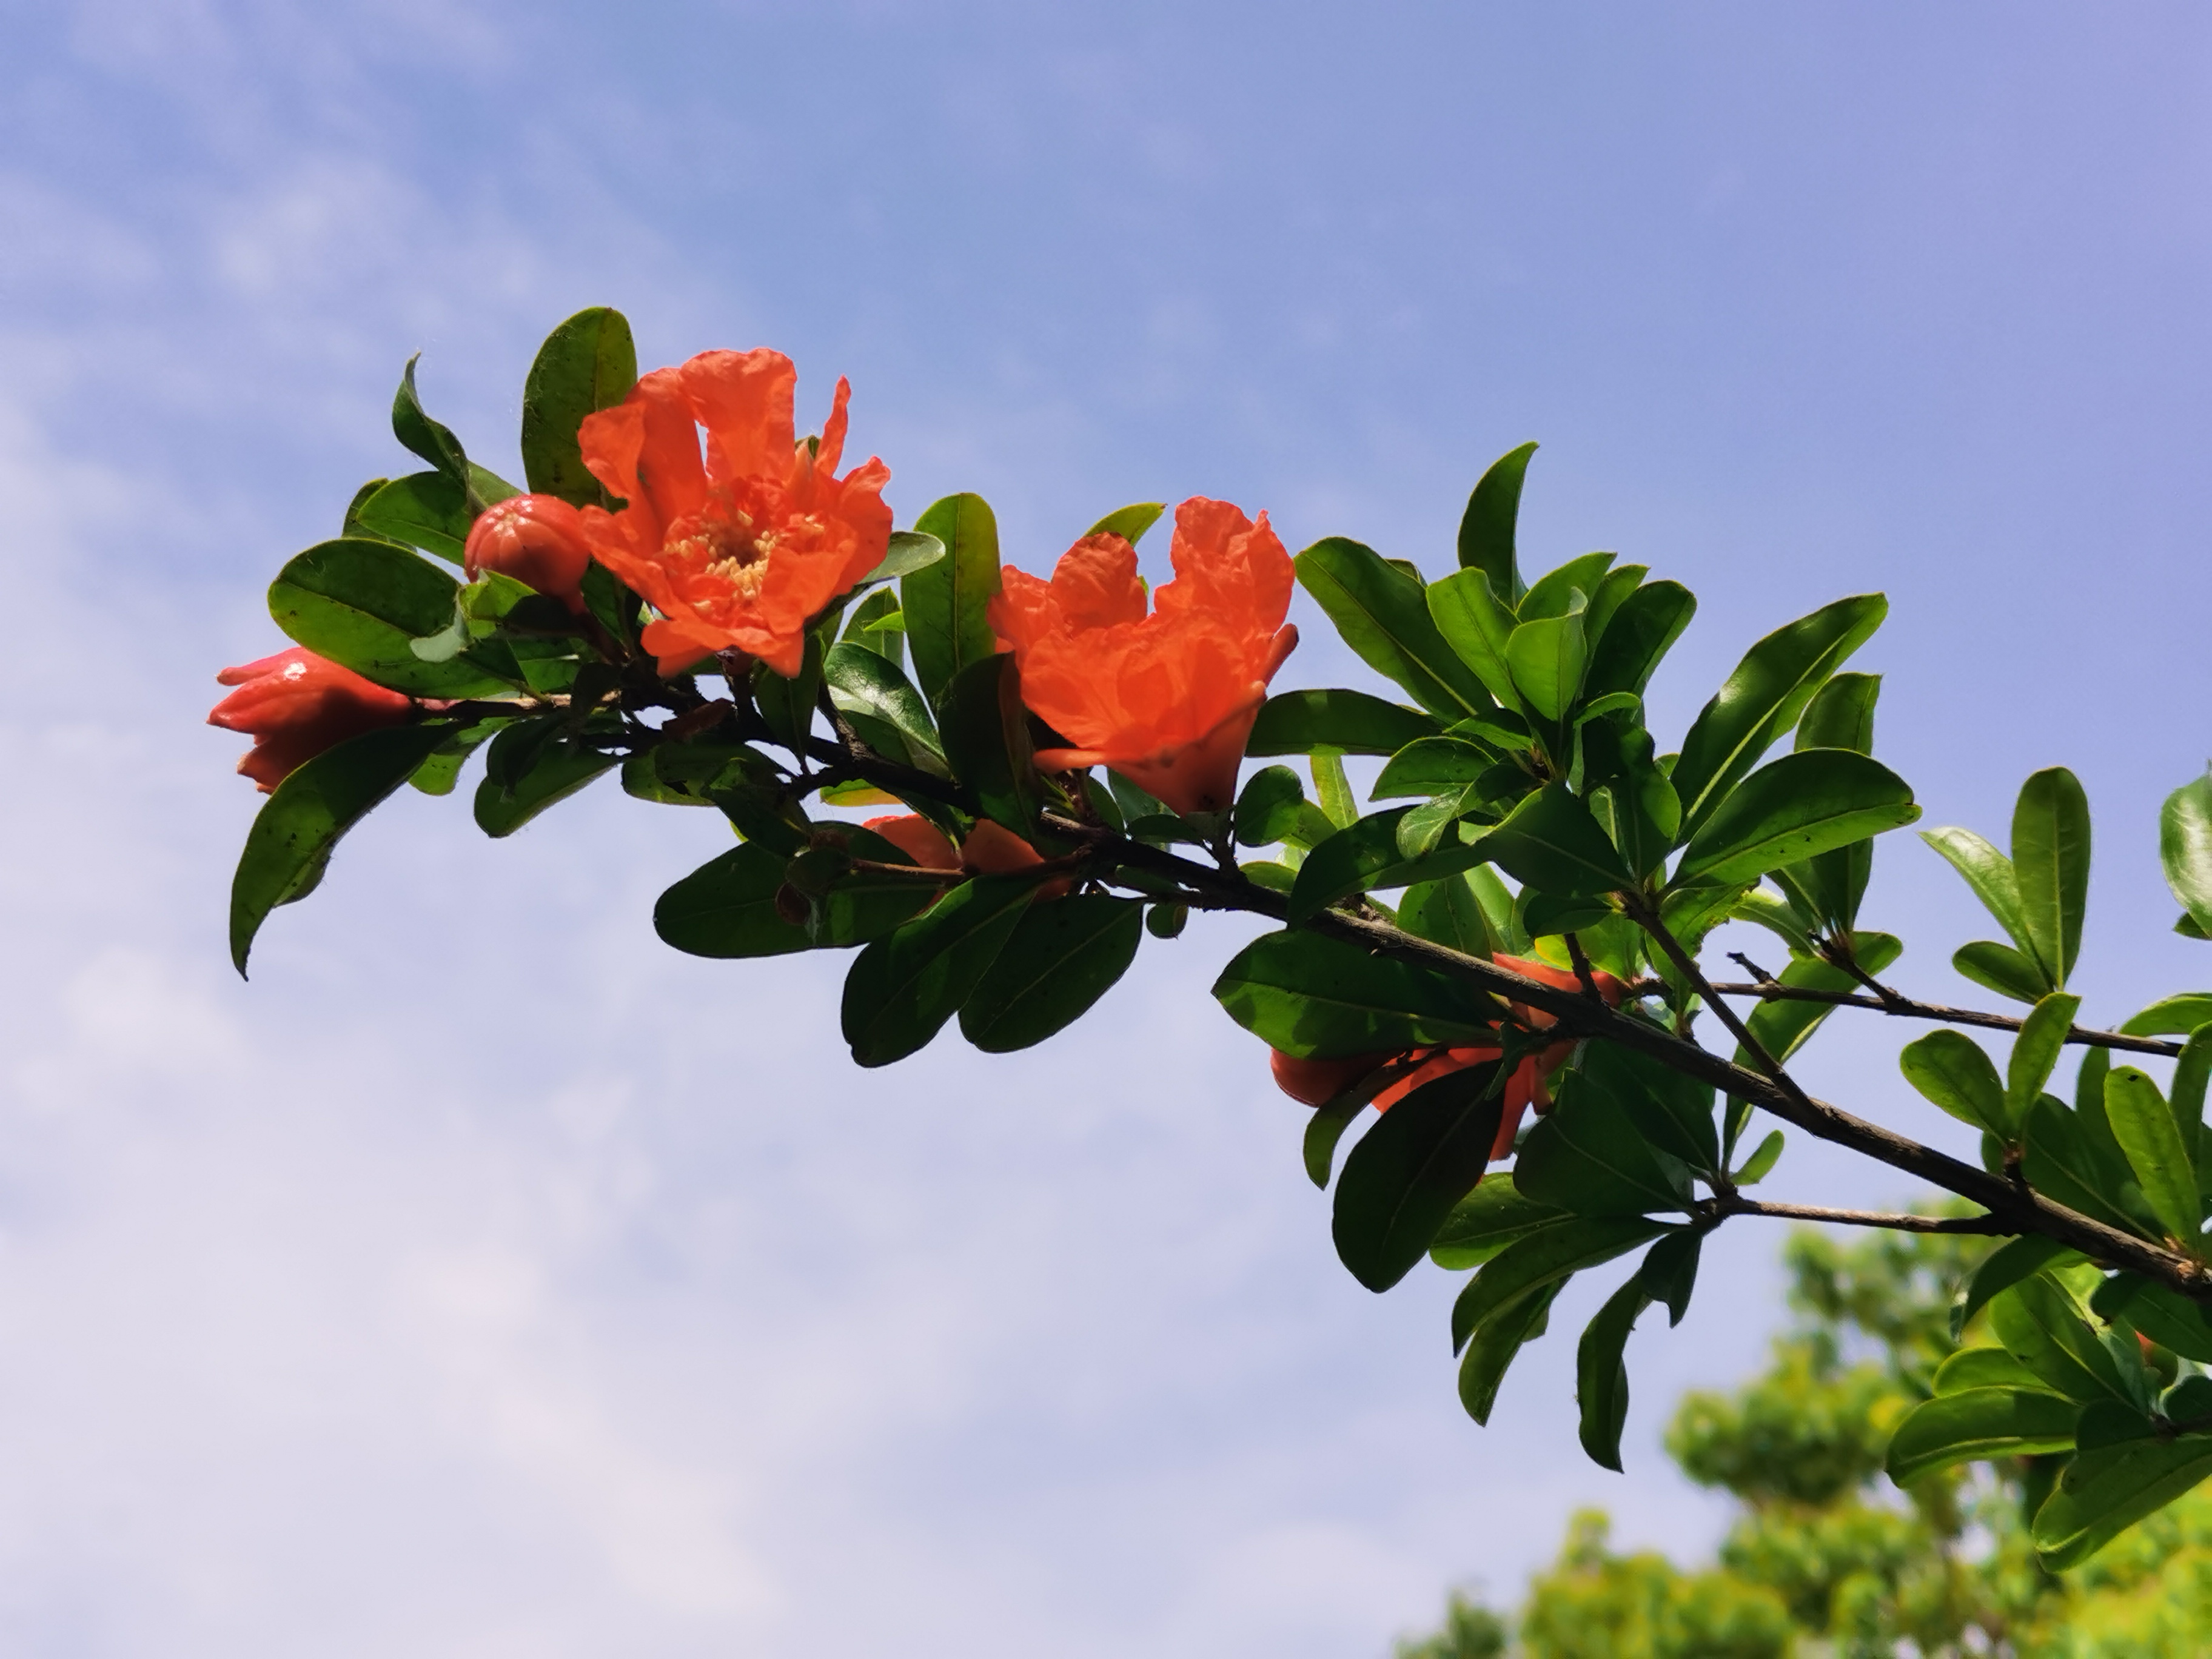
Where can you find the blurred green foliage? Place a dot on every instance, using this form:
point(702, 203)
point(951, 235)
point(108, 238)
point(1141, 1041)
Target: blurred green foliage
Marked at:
point(1824, 1558)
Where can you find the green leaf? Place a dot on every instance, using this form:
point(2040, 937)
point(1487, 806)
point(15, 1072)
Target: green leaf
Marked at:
point(2063, 1161)
point(1553, 594)
point(2151, 1140)
point(1062, 957)
point(1486, 1221)
point(2103, 1493)
point(878, 625)
point(1346, 722)
point(2190, 1072)
point(361, 603)
point(2185, 848)
point(1270, 808)
point(1449, 912)
point(1478, 627)
point(1991, 876)
point(1551, 842)
point(1636, 636)
point(904, 987)
point(2035, 1052)
point(985, 732)
point(556, 771)
point(1763, 698)
point(587, 364)
point(2051, 859)
point(1631, 794)
point(1384, 616)
point(2001, 969)
point(1841, 715)
point(1547, 658)
point(1669, 1272)
point(289, 844)
point(425, 437)
point(2172, 1321)
point(1801, 805)
point(864, 681)
point(1602, 1373)
point(1978, 1422)
point(2003, 1269)
point(1496, 1344)
point(1405, 1174)
point(1486, 529)
point(727, 907)
point(1365, 858)
point(1986, 1368)
point(423, 509)
point(1327, 1126)
point(1317, 997)
point(1760, 1164)
point(1129, 523)
point(2042, 1327)
point(1672, 1112)
point(1542, 1258)
point(1432, 766)
point(2171, 1016)
point(1953, 1071)
point(908, 551)
point(944, 602)
point(1586, 1156)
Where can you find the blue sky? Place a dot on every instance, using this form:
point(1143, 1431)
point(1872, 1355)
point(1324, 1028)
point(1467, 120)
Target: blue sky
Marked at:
point(483, 1279)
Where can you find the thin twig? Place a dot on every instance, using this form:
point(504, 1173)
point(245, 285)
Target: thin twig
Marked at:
point(1896, 1221)
point(1911, 1008)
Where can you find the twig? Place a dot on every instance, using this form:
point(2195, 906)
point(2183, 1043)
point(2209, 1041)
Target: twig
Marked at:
point(1769, 990)
point(1896, 1222)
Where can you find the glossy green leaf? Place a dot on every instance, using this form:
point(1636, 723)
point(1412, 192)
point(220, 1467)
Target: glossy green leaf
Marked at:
point(1318, 996)
point(1602, 1373)
point(1672, 1112)
point(2103, 1493)
point(1782, 1028)
point(2190, 1074)
point(1405, 1174)
point(1346, 722)
point(1449, 912)
point(2184, 848)
point(2151, 1140)
point(1486, 1221)
point(1586, 1156)
point(361, 603)
point(1760, 1164)
point(1841, 715)
point(904, 987)
point(1547, 658)
point(290, 842)
point(1129, 523)
point(1978, 1422)
point(1324, 1129)
point(1669, 1272)
point(1986, 1368)
point(2035, 1052)
point(556, 771)
point(788, 705)
point(1063, 956)
point(1955, 1073)
point(1991, 875)
point(1431, 766)
point(1763, 698)
point(1496, 1346)
point(2168, 1318)
point(878, 625)
point(2001, 969)
point(984, 733)
point(2050, 861)
point(587, 364)
point(1478, 626)
point(1636, 636)
point(423, 436)
point(2040, 1326)
point(726, 907)
point(1269, 807)
point(1384, 616)
point(1486, 529)
point(2003, 1269)
point(423, 509)
point(944, 601)
point(1551, 842)
point(1795, 808)
point(2173, 1016)
point(2064, 1161)
point(908, 551)
point(1365, 857)
point(1553, 594)
point(1634, 800)
point(1544, 1257)
point(864, 681)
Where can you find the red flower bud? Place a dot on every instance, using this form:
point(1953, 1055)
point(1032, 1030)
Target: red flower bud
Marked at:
point(537, 539)
point(296, 705)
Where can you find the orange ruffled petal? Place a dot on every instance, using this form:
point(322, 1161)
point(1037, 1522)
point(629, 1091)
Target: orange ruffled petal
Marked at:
point(738, 533)
point(1168, 699)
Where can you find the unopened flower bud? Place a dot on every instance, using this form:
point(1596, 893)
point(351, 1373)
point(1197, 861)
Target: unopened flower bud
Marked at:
point(296, 705)
point(537, 539)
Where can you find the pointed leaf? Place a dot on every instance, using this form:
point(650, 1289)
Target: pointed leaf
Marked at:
point(2003, 1269)
point(1586, 1156)
point(984, 732)
point(2040, 1326)
point(1403, 1177)
point(1669, 1272)
point(2035, 1051)
point(1477, 625)
point(587, 364)
point(1345, 722)
point(1978, 1422)
point(1496, 1346)
point(1795, 808)
point(1063, 956)
point(2185, 848)
point(361, 603)
point(1547, 658)
point(1487, 530)
point(1542, 1258)
point(1384, 616)
point(902, 987)
point(1129, 523)
point(2051, 859)
point(1989, 874)
point(2151, 1140)
point(1986, 1368)
point(2063, 1161)
point(944, 602)
point(1602, 1373)
point(2104, 1493)
point(1782, 1028)
point(1365, 858)
point(1486, 1221)
point(1313, 996)
point(2168, 1318)
point(1551, 842)
point(1636, 636)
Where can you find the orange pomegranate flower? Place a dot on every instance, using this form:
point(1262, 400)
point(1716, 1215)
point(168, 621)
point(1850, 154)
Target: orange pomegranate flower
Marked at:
point(1316, 1082)
point(741, 549)
point(294, 705)
point(1166, 699)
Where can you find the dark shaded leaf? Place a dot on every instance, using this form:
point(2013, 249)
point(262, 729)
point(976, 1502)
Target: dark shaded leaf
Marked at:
point(1669, 1272)
point(1323, 998)
point(2103, 1493)
point(1405, 1174)
point(1551, 842)
point(1602, 1373)
point(1544, 1257)
point(944, 602)
point(362, 604)
point(1497, 1344)
point(1586, 1156)
point(556, 771)
point(1062, 957)
point(2003, 1269)
point(1343, 722)
point(1366, 857)
point(904, 987)
point(984, 733)
point(2172, 1321)
point(1486, 1221)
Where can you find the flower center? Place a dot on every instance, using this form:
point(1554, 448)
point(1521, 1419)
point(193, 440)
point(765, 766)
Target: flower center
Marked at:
point(727, 547)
